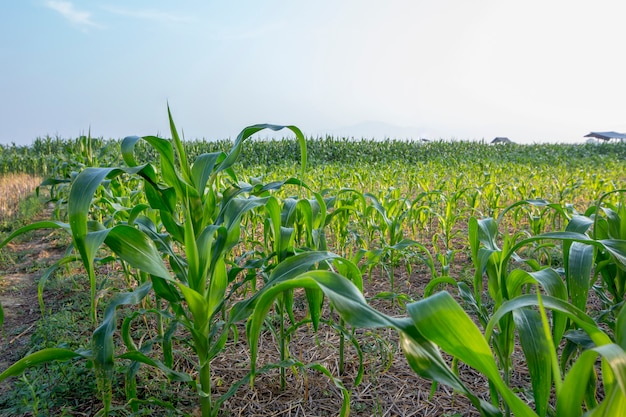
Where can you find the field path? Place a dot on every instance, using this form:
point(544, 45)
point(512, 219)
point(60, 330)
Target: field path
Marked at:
point(25, 260)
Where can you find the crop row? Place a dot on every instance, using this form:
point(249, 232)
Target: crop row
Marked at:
point(50, 156)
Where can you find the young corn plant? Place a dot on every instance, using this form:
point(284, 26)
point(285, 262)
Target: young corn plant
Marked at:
point(387, 218)
point(508, 286)
point(197, 226)
point(439, 323)
point(609, 222)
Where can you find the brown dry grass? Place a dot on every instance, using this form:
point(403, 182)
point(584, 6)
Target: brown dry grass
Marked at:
point(13, 189)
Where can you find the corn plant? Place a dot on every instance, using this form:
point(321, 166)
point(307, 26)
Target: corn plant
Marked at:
point(202, 221)
point(507, 286)
point(387, 218)
point(438, 322)
point(609, 222)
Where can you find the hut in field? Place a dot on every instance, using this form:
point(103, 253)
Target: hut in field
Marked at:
point(501, 140)
point(607, 136)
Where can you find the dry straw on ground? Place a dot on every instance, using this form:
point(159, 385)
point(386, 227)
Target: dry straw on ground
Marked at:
point(13, 189)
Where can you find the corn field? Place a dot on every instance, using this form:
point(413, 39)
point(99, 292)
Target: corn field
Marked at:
point(523, 248)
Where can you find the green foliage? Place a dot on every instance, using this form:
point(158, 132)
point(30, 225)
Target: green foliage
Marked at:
point(212, 235)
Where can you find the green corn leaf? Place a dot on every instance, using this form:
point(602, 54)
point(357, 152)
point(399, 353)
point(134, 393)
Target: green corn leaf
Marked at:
point(536, 350)
point(102, 340)
point(38, 358)
point(487, 233)
point(79, 201)
point(217, 285)
point(234, 153)
point(231, 216)
point(552, 284)
point(474, 241)
point(165, 290)
point(260, 190)
point(53, 181)
point(161, 198)
point(191, 252)
point(579, 224)
point(198, 306)
point(47, 274)
point(136, 211)
point(1, 317)
point(273, 212)
point(578, 266)
point(203, 168)
point(315, 300)
point(575, 385)
point(285, 270)
point(620, 328)
point(205, 244)
point(617, 248)
point(46, 224)
point(346, 298)
point(171, 374)
point(615, 357)
point(613, 222)
point(441, 320)
point(345, 405)
point(483, 232)
point(128, 150)
point(613, 405)
point(218, 343)
point(424, 358)
point(136, 248)
point(180, 149)
point(555, 304)
point(440, 281)
point(167, 163)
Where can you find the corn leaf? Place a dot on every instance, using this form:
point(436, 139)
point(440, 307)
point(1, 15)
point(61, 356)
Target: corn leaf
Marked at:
point(234, 153)
point(575, 385)
point(620, 328)
point(180, 149)
point(578, 266)
point(285, 270)
point(555, 304)
point(441, 320)
point(171, 374)
point(136, 248)
point(617, 248)
point(203, 168)
point(47, 274)
point(198, 306)
point(217, 285)
point(38, 358)
point(536, 350)
point(45, 224)
point(102, 339)
point(579, 224)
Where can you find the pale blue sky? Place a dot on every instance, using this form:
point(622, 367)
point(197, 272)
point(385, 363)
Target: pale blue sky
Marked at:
point(534, 71)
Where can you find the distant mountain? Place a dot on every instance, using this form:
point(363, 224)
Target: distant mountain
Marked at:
point(377, 130)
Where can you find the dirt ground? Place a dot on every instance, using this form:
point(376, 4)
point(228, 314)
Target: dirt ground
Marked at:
point(25, 261)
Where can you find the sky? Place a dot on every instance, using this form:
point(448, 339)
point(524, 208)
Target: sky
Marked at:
point(533, 70)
